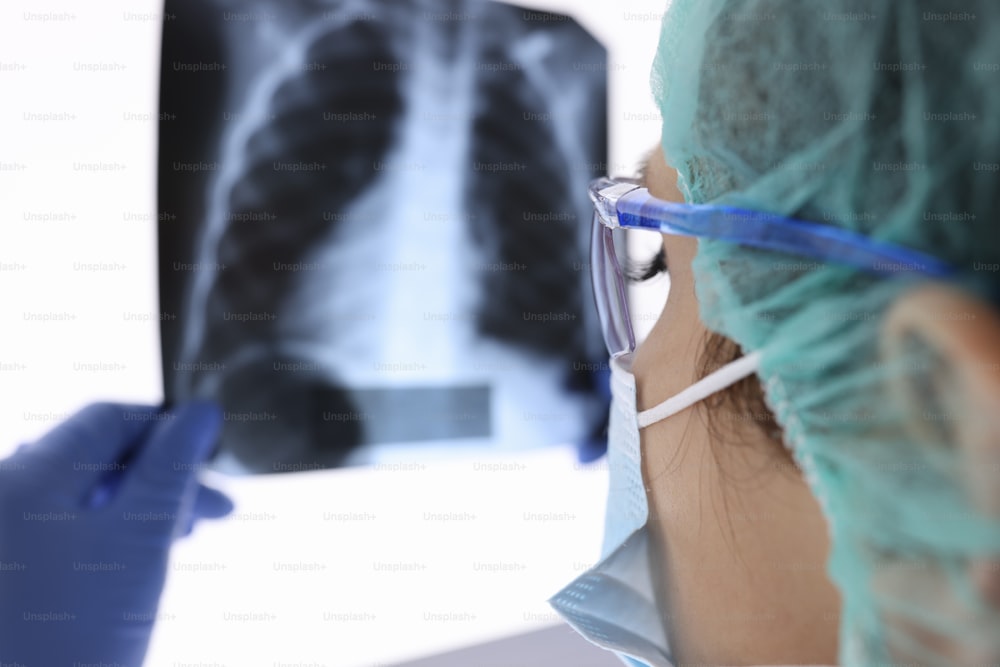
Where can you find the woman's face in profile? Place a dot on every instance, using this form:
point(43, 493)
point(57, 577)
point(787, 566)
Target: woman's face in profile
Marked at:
point(738, 537)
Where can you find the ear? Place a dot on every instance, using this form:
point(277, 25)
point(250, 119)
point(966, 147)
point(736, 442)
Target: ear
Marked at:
point(963, 333)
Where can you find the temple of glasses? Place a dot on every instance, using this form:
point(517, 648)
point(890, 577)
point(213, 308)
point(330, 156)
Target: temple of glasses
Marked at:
point(623, 202)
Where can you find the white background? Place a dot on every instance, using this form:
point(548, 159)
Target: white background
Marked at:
point(39, 384)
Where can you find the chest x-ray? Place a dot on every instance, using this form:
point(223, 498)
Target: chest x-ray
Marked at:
point(373, 226)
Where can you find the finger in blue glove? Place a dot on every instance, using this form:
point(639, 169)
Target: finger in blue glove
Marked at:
point(82, 580)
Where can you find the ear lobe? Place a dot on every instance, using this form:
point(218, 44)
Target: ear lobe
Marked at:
point(962, 332)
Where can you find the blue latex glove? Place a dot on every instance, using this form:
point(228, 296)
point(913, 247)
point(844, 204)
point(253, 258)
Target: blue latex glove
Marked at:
point(84, 540)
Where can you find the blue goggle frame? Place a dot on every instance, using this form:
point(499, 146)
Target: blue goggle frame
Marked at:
point(624, 204)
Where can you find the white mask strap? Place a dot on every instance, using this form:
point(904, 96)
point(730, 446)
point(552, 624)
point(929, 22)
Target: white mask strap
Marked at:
point(727, 375)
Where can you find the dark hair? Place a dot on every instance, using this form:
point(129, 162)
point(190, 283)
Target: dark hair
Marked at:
point(742, 402)
point(726, 414)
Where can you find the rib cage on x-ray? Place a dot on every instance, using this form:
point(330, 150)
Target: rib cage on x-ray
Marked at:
point(396, 230)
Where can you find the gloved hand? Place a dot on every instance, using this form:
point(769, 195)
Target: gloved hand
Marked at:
point(84, 538)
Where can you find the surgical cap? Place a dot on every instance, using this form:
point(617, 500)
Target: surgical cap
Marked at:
point(883, 117)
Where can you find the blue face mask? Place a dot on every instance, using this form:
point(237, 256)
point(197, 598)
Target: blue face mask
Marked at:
point(614, 604)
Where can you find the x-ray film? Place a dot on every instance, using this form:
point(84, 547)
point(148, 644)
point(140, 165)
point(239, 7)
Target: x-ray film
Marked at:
point(373, 226)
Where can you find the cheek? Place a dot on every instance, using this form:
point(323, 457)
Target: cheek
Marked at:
point(741, 550)
point(678, 469)
point(678, 466)
point(683, 493)
point(666, 361)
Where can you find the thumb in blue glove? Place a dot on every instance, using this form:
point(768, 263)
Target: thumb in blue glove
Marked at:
point(82, 567)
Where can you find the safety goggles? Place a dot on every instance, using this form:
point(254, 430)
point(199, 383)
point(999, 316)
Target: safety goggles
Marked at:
point(622, 203)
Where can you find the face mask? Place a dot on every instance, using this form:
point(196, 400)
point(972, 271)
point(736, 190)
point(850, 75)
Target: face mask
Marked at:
point(614, 603)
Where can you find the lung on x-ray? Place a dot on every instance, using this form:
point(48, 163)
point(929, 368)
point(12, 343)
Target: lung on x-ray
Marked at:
point(373, 226)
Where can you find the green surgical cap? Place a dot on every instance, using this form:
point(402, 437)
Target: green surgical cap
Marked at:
point(881, 116)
